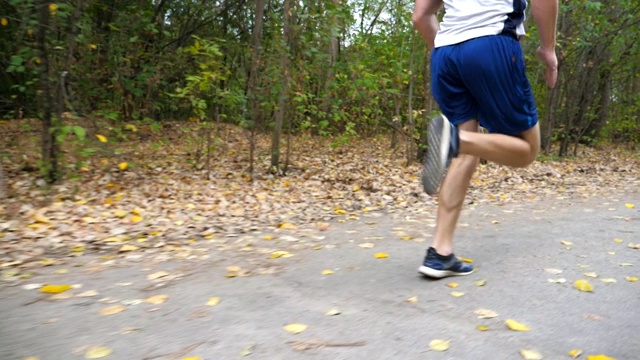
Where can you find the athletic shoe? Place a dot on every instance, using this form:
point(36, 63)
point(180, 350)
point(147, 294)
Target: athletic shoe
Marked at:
point(442, 141)
point(438, 266)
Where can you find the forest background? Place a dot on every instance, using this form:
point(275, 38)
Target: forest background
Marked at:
point(269, 111)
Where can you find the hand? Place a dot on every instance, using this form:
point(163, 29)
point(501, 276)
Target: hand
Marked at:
point(549, 58)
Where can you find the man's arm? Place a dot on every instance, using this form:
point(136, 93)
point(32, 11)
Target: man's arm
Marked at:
point(545, 14)
point(425, 20)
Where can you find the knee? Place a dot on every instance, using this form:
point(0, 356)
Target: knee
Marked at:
point(528, 158)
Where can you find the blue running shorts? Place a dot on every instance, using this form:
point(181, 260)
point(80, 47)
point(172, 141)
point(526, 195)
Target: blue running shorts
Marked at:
point(484, 79)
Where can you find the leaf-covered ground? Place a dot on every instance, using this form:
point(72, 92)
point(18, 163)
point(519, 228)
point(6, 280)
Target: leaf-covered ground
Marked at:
point(147, 193)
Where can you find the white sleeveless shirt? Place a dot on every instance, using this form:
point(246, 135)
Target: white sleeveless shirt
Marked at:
point(469, 19)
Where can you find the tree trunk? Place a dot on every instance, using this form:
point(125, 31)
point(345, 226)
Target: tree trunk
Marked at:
point(252, 91)
point(50, 149)
point(284, 91)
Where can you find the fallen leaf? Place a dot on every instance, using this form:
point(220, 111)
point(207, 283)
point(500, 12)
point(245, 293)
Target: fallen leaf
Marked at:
point(123, 166)
point(575, 353)
point(381, 255)
point(120, 213)
point(287, 226)
point(136, 219)
point(233, 268)
point(295, 328)
point(629, 206)
point(485, 314)
point(89, 293)
point(366, 245)
point(618, 240)
point(530, 355)
point(439, 345)
point(61, 296)
point(481, 282)
point(32, 358)
point(97, 352)
point(127, 247)
point(583, 285)
point(157, 299)
point(112, 310)
point(482, 327)
point(268, 237)
point(333, 312)
point(626, 264)
point(633, 246)
point(599, 357)
point(457, 293)
point(557, 281)
point(280, 254)
point(516, 326)
point(609, 280)
point(328, 272)
point(566, 243)
point(157, 275)
point(247, 350)
point(466, 260)
point(55, 289)
point(452, 285)
point(101, 138)
point(591, 274)
point(631, 278)
point(192, 358)
point(213, 301)
point(553, 271)
point(412, 299)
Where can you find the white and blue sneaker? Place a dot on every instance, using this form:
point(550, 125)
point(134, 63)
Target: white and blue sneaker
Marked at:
point(438, 266)
point(442, 145)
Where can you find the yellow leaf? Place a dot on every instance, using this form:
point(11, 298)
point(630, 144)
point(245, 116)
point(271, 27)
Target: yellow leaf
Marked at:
point(101, 138)
point(566, 243)
point(626, 264)
point(131, 127)
point(192, 358)
point(233, 268)
point(137, 211)
point(516, 326)
point(412, 299)
point(482, 327)
point(4, 22)
point(575, 353)
point(599, 357)
point(631, 278)
point(381, 255)
point(583, 285)
point(32, 358)
point(609, 280)
point(287, 226)
point(136, 219)
point(128, 247)
point(328, 272)
point(466, 260)
point(53, 7)
point(452, 285)
point(629, 206)
point(618, 240)
point(97, 352)
point(123, 166)
point(62, 271)
point(280, 254)
point(112, 310)
point(47, 262)
point(457, 293)
point(366, 245)
point(78, 249)
point(120, 213)
point(157, 299)
point(439, 345)
point(40, 218)
point(55, 289)
point(530, 355)
point(92, 46)
point(213, 301)
point(295, 328)
point(190, 206)
point(356, 188)
point(340, 211)
point(481, 282)
point(268, 237)
point(179, 223)
point(485, 314)
point(591, 274)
